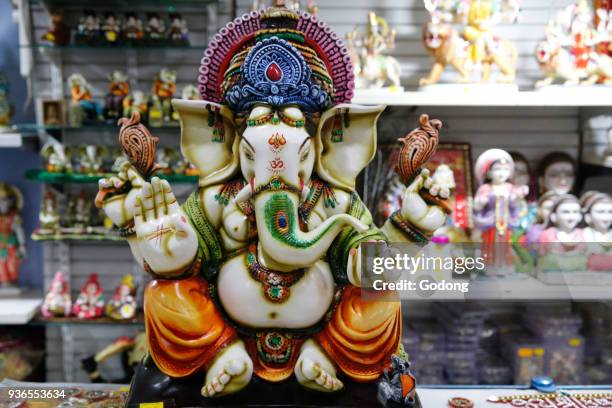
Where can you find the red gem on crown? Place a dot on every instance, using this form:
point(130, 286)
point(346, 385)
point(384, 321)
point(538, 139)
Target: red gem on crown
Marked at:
point(274, 72)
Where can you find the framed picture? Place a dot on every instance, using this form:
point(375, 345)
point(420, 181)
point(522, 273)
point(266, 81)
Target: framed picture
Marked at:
point(458, 157)
point(52, 111)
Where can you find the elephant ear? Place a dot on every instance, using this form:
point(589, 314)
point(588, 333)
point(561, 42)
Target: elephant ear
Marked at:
point(346, 143)
point(208, 139)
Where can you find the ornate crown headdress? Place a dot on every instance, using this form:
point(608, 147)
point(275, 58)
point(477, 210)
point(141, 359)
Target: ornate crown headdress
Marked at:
point(277, 57)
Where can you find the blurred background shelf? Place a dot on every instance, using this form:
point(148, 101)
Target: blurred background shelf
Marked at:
point(17, 139)
point(76, 178)
point(122, 3)
point(118, 47)
point(40, 320)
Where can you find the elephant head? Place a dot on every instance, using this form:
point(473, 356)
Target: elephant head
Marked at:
point(274, 152)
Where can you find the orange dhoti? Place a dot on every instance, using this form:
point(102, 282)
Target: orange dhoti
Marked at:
point(363, 334)
point(185, 331)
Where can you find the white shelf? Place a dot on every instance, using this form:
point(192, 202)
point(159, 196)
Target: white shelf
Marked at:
point(18, 310)
point(554, 96)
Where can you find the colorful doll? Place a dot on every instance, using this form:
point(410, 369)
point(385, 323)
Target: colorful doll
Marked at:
point(59, 33)
point(136, 101)
point(6, 110)
point(57, 302)
point(544, 205)
point(82, 108)
point(88, 30)
point(12, 237)
point(122, 306)
point(164, 88)
point(155, 30)
point(57, 157)
point(132, 28)
point(177, 31)
point(557, 173)
point(118, 89)
point(597, 210)
point(91, 159)
point(90, 303)
point(257, 273)
point(496, 208)
point(111, 28)
point(562, 246)
point(79, 212)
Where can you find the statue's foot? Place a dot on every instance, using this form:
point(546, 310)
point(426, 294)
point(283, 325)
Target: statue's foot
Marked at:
point(230, 372)
point(314, 370)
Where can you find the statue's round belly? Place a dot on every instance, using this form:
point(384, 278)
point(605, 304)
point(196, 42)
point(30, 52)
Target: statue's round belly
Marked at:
point(243, 299)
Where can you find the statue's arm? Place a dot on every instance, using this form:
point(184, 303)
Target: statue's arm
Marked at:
point(20, 234)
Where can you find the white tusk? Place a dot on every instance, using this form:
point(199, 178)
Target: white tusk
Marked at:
point(305, 192)
point(243, 194)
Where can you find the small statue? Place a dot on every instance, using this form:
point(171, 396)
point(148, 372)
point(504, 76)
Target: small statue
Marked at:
point(575, 49)
point(371, 68)
point(165, 158)
point(164, 87)
point(476, 46)
point(59, 33)
point(177, 31)
point(191, 93)
point(399, 385)
point(57, 302)
point(544, 206)
point(136, 101)
point(132, 30)
point(111, 28)
point(12, 237)
point(79, 213)
point(496, 208)
point(82, 108)
point(122, 306)
point(48, 217)
point(118, 89)
point(6, 110)
point(562, 246)
point(597, 210)
point(88, 29)
point(556, 173)
point(155, 30)
point(57, 157)
point(91, 159)
point(90, 302)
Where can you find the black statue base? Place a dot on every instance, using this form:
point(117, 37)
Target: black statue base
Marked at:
point(151, 385)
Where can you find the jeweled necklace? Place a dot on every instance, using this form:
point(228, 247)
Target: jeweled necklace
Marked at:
point(276, 285)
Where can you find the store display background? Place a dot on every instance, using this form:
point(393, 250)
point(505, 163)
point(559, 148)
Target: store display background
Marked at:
point(14, 161)
point(533, 131)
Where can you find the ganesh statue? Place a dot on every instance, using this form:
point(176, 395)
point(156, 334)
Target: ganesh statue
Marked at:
point(256, 276)
point(12, 236)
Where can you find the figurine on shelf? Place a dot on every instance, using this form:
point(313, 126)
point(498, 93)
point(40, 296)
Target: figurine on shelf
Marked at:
point(191, 93)
point(136, 101)
point(88, 30)
point(57, 157)
point(165, 157)
point(557, 173)
point(118, 89)
point(91, 159)
point(257, 272)
point(477, 47)
point(48, 217)
point(544, 206)
point(496, 209)
point(122, 306)
point(79, 213)
point(12, 237)
point(562, 246)
point(155, 30)
point(59, 33)
point(372, 69)
point(572, 49)
point(164, 86)
point(6, 110)
point(177, 31)
point(597, 210)
point(183, 166)
point(57, 302)
point(132, 28)
point(90, 303)
point(111, 28)
point(82, 108)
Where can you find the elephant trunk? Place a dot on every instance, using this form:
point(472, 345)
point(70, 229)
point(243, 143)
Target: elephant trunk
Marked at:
point(280, 235)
